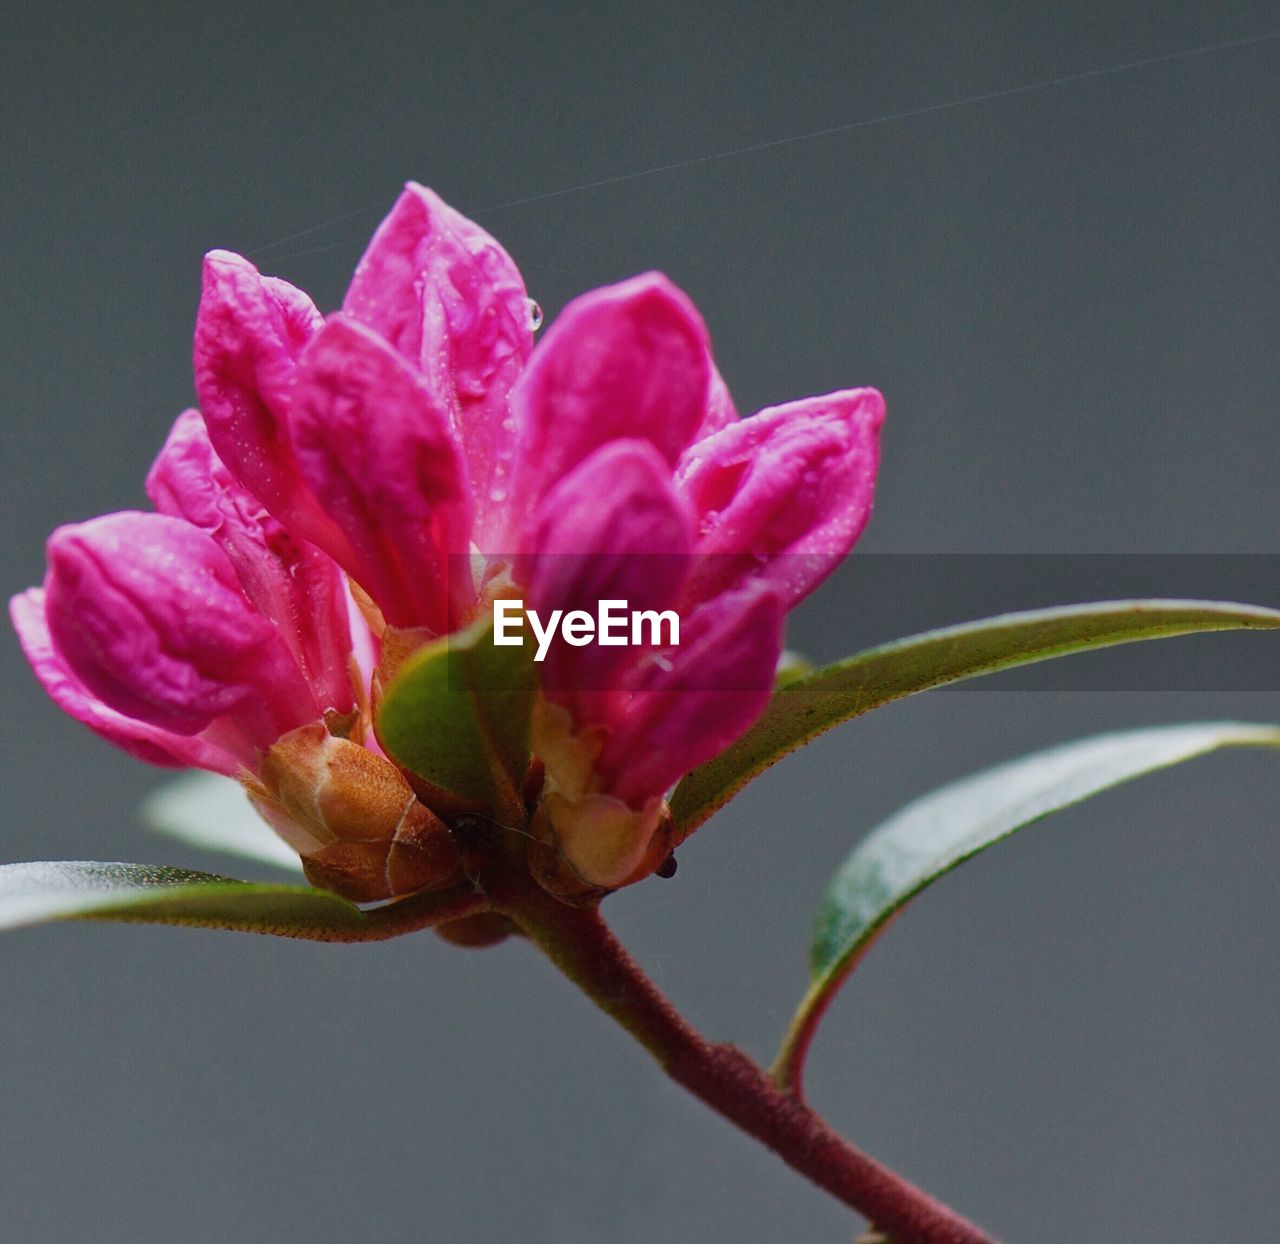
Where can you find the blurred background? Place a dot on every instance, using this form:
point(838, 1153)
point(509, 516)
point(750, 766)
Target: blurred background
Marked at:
point(1068, 296)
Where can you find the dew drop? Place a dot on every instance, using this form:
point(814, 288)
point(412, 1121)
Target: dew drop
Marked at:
point(534, 312)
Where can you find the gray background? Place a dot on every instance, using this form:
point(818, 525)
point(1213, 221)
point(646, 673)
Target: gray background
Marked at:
point(1069, 297)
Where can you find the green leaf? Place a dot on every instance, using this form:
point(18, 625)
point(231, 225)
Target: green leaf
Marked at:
point(807, 707)
point(78, 890)
point(931, 836)
point(457, 715)
point(213, 812)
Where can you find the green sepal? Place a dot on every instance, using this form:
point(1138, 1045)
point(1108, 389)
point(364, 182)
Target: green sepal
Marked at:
point(457, 715)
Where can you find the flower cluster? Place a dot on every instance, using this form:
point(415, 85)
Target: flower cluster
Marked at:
point(309, 517)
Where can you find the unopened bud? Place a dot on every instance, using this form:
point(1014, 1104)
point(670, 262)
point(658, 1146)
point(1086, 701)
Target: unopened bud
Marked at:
point(596, 844)
point(353, 818)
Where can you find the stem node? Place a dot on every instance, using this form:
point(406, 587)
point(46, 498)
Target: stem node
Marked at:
point(581, 945)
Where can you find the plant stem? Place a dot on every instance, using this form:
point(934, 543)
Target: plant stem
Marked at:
point(408, 915)
point(581, 945)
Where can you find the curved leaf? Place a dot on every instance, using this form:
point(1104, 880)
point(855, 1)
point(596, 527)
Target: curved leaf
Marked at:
point(457, 714)
point(79, 890)
point(931, 836)
point(807, 707)
point(74, 889)
point(213, 812)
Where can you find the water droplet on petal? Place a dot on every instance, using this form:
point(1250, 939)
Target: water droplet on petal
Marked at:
point(534, 311)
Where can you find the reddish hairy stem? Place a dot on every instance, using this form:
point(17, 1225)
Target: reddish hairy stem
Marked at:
point(422, 911)
point(581, 945)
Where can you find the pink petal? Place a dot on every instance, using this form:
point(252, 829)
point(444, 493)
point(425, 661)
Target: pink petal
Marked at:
point(783, 496)
point(720, 411)
point(452, 302)
point(250, 332)
point(690, 702)
point(612, 529)
point(148, 613)
point(291, 581)
point(624, 362)
point(146, 742)
point(377, 450)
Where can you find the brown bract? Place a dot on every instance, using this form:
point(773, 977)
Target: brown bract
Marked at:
point(353, 818)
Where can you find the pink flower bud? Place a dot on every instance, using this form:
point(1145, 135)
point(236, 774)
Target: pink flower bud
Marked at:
point(148, 613)
point(378, 452)
point(451, 301)
point(783, 496)
point(288, 580)
point(418, 442)
point(612, 529)
point(690, 704)
point(250, 332)
point(630, 361)
point(64, 688)
point(720, 411)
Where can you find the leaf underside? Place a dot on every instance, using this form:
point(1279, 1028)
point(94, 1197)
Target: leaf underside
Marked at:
point(81, 890)
point(928, 838)
point(213, 813)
